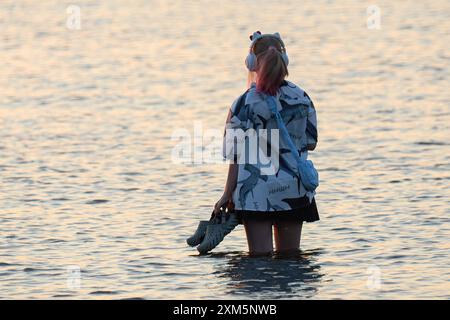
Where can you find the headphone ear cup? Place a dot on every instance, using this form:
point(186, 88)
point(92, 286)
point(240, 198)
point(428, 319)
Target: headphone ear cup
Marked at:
point(250, 61)
point(285, 58)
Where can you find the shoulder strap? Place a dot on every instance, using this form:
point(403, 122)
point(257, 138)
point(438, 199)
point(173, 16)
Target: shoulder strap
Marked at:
point(282, 127)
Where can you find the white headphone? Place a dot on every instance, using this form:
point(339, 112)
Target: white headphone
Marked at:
point(250, 61)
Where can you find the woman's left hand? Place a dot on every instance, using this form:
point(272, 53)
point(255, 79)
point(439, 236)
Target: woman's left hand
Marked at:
point(225, 200)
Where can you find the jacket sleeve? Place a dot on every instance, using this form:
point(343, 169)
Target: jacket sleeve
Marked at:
point(237, 124)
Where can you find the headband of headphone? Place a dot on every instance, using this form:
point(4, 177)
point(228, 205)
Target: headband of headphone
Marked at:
point(250, 61)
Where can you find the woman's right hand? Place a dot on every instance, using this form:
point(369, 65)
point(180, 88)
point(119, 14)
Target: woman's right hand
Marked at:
point(226, 200)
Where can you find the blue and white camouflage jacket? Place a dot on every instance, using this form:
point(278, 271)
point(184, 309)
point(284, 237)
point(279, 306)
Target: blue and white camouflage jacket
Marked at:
point(277, 189)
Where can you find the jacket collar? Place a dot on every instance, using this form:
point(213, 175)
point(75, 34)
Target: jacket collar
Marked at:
point(289, 92)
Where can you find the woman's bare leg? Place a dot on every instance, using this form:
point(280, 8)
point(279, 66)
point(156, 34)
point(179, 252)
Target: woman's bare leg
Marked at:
point(287, 235)
point(259, 236)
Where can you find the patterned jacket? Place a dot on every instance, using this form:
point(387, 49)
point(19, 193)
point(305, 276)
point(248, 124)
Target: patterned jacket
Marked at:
point(269, 185)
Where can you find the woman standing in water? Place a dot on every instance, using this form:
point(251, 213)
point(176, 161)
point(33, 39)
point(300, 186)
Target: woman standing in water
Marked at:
point(279, 199)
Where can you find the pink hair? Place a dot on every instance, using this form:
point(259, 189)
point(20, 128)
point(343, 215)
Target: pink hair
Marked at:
point(270, 67)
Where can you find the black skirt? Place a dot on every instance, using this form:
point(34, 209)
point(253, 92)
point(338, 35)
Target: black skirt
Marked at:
point(307, 213)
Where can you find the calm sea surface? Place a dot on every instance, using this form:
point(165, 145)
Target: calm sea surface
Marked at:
point(92, 206)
